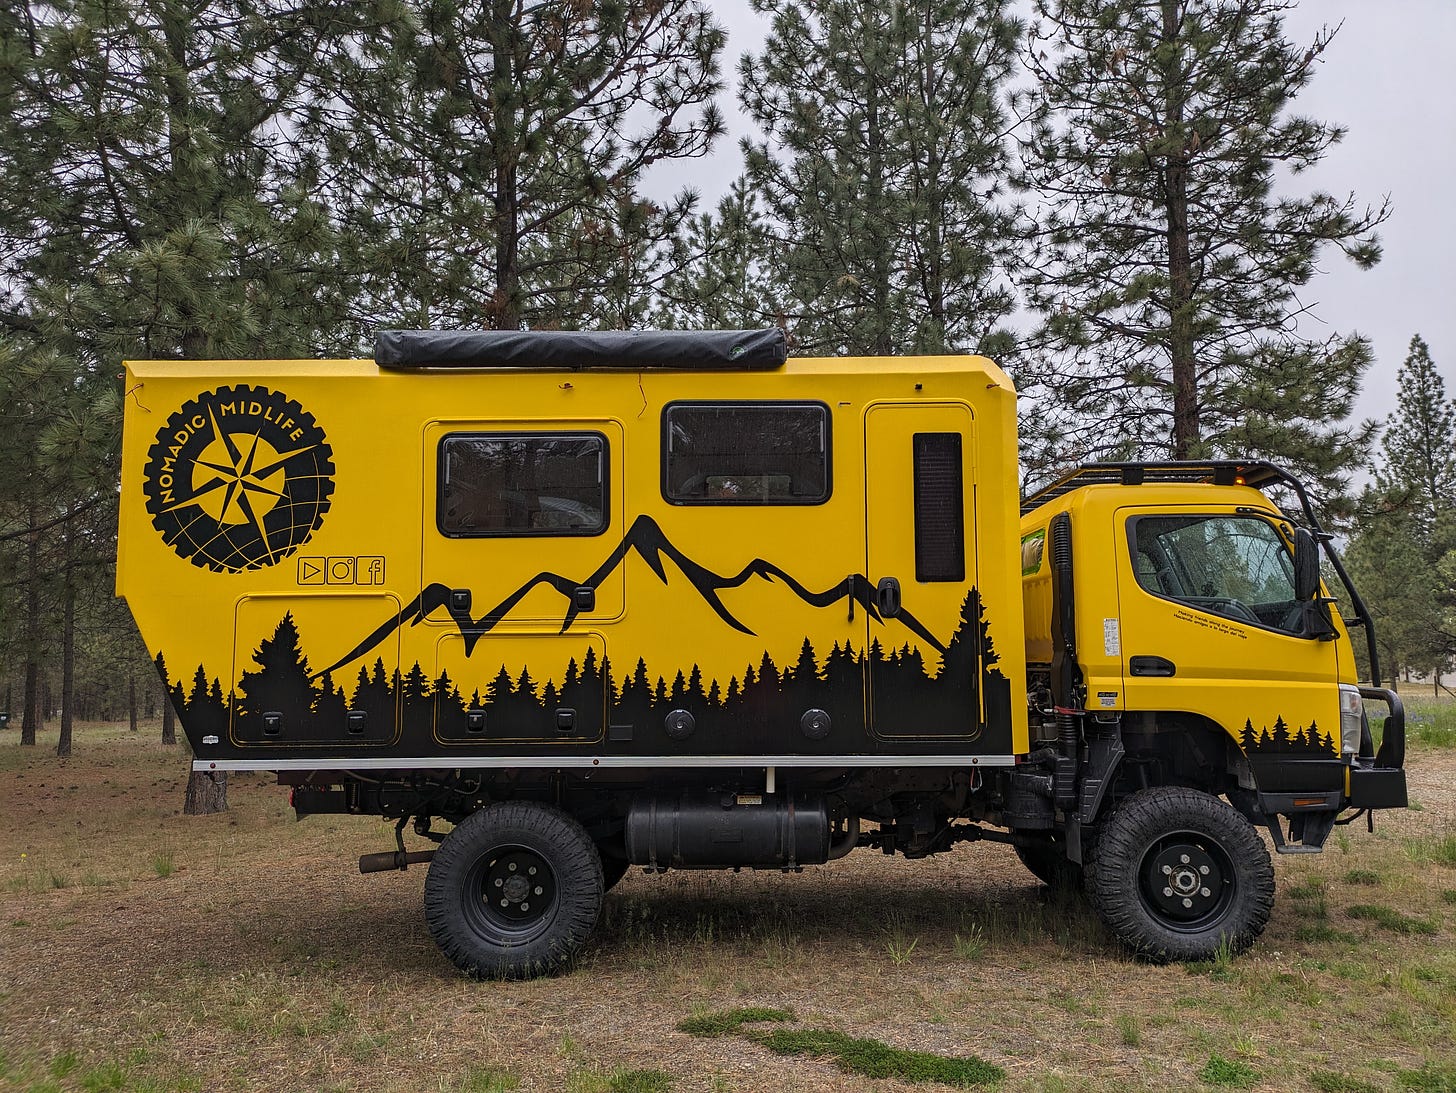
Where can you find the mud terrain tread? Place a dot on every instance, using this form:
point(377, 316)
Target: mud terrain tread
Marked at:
point(1129, 831)
point(558, 838)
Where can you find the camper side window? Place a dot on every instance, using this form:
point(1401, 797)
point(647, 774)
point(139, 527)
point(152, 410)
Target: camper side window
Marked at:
point(522, 484)
point(745, 453)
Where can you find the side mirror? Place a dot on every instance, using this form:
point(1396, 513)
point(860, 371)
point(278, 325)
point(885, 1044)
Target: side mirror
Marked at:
point(1315, 608)
point(1306, 566)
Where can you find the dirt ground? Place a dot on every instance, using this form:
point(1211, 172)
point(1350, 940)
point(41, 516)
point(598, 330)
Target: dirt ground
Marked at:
point(143, 949)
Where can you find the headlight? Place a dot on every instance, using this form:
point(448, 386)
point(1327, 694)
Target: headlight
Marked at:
point(1352, 717)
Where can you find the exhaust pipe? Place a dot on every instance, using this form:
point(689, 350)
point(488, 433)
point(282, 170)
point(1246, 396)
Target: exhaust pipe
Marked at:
point(393, 859)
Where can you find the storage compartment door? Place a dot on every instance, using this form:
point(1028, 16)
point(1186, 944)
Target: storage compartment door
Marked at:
point(281, 695)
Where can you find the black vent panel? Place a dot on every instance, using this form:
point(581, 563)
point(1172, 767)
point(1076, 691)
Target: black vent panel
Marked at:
point(940, 525)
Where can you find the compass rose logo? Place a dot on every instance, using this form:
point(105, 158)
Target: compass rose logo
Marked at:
point(239, 478)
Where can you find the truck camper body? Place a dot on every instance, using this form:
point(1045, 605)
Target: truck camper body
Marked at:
point(674, 600)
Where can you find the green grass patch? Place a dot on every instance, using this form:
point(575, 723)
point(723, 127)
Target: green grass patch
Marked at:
point(1366, 877)
point(1228, 1072)
point(1448, 895)
point(1221, 967)
point(620, 1080)
point(1130, 1029)
point(874, 1059)
point(1332, 1081)
point(1388, 918)
point(639, 1081)
point(1431, 1078)
point(104, 1077)
point(1433, 850)
point(1320, 932)
point(1428, 721)
point(726, 1022)
point(485, 1079)
point(971, 945)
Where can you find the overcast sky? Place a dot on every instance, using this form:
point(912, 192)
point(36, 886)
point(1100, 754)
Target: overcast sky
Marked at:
point(1389, 80)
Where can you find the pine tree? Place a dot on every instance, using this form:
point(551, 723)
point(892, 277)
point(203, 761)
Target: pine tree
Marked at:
point(1419, 444)
point(154, 196)
point(1407, 526)
point(155, 201)
point(882, 156)
point(719, 268)
point(281, 681)
point(1166, 270)
point(504, 147)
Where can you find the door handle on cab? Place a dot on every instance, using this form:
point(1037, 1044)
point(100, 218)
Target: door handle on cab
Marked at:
point(1151, 666)
point(887, 597)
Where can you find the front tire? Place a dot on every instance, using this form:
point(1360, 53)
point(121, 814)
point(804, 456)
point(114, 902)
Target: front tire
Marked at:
point(514, 891)
point(1176, 874)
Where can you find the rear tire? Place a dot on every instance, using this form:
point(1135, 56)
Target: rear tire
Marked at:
point(514, 891)
point(1176, 874)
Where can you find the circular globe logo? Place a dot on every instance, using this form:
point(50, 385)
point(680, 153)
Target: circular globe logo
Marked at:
point(239, 478)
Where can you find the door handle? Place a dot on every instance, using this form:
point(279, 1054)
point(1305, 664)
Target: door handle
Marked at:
point(1151, 666)
point(887, 597)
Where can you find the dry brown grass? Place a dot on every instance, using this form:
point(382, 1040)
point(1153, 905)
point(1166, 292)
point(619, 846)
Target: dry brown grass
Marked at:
point(142, 949)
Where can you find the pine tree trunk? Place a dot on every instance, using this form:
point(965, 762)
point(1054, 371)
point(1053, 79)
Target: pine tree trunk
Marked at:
point(506, 307)
point(30, 719)
point(206, 793)
point(1180, 263)
point(169, 720)
point(131, 699)
point(30, 716)
point(68, 665)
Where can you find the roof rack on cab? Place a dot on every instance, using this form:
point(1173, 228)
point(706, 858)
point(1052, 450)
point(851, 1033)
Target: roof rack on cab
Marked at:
point(1219, 472)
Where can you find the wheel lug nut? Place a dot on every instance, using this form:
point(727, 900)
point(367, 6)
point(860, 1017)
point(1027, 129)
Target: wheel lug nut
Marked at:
point(1187, 902)
point(498, 882)
point(532, 870)
point(1203, 869)
point(538, 890)
point(1167, 869)
point(513, 865)
point(1167, 891)
point(525, 906)
point(1182, 858)
point(1204, 892)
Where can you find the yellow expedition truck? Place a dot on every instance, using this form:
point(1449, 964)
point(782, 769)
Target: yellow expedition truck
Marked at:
point(566, 603)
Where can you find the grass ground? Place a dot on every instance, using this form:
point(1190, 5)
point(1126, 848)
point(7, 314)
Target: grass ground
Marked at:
point(142, 949)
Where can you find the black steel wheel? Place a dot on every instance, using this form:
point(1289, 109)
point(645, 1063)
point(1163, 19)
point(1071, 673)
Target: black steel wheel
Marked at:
point(514, 891)
point(1176, 874)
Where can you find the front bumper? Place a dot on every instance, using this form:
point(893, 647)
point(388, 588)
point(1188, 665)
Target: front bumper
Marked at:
point(1378, 780)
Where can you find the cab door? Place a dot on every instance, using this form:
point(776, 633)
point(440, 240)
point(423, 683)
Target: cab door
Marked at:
point(1210, 626)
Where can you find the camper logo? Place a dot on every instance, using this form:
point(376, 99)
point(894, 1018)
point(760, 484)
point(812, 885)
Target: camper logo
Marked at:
point(239, 478)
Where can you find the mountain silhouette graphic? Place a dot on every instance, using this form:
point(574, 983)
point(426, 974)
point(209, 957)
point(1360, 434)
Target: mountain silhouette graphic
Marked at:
point(648, 541)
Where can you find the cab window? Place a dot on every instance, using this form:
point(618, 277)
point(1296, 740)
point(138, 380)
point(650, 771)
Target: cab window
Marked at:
point(522, 484)
point(1235, 566)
